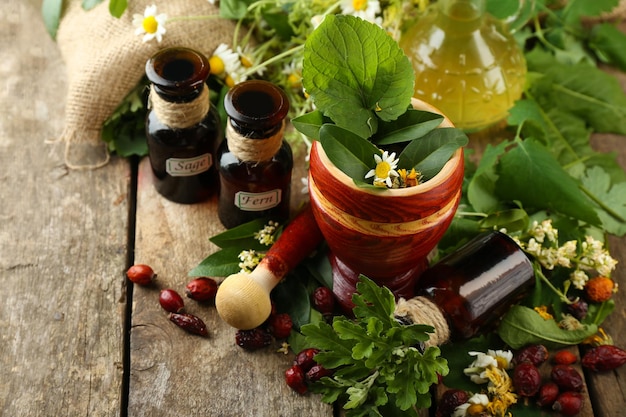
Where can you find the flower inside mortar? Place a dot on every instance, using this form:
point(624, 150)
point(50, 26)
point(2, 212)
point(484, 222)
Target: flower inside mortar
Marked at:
point(150, 24)
point(385, 169)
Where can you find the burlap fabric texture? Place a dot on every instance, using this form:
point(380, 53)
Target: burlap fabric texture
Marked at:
point(105, 59)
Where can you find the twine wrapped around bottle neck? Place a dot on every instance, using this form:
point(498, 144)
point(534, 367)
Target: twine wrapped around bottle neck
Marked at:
point(420, 310)
point(253, 150)
point(180, 115)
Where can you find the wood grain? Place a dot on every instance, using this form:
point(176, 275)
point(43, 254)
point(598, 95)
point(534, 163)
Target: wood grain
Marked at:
point(63, 243)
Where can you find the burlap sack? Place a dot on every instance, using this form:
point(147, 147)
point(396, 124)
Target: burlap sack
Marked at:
point(105, 59)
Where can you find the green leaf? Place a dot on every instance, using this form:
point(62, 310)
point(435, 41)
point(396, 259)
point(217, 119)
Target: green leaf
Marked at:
point(575, 9)
point(372, 300)
point(610, 199)
point(278, 19)
point(522, 326)
point(356, 73)
point(241, 236)
point(117, 7)
point(582, 90)
point(310, 123)
point(90, 4)
point(530, 174)
point(222, 263)
point(234, 9)
point(411, 125)
point(430, 153)
point(607, 41)
point(293, 298)
point(51, 11)
point(349, 152)
point(480, 191)
point(513, 220)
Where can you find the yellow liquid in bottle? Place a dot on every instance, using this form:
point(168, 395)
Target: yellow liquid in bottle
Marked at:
point(466, 64)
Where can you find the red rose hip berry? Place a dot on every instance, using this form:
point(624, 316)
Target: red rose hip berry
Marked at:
point(140, 274)
point(201, 289)
point(295, 379)
point(526, 379)
point(548, 394)
point(564, 357)
point(280, 325)
point(567, 378)
point(323, 300)
point(305, 358)
point(317, 372)
point(568, 403)
point(535, 354)
point(450, 400)
point(253, 339)
point(171, 301)
point(604, 358)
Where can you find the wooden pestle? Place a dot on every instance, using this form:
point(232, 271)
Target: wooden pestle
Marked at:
point(243, 300)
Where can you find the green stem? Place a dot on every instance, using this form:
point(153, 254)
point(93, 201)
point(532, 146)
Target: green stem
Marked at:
point(545, 279)
point(273, 59)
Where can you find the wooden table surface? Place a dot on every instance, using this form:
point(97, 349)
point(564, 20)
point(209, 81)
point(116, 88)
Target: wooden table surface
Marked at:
point(75, 338)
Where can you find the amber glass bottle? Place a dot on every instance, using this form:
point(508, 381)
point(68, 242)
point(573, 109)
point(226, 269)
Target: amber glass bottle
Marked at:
point(475, 285)
point(182, 127)
point(255, 162)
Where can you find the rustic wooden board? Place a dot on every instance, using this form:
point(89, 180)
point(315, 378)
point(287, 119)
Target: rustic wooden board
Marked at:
point(62, 239)
point(176, 373)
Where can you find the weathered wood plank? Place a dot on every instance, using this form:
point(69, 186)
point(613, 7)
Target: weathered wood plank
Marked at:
point(62, 239)
point(173, 372)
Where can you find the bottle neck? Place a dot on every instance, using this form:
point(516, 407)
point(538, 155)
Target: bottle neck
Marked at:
point(251, 149)
point(180, 114)
point(461, 16)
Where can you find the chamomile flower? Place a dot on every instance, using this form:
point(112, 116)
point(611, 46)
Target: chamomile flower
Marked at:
point(293, 71)
point(475, 401)
point(248, 60)
point(365, 9)
point(385, 169)
point(151, 25)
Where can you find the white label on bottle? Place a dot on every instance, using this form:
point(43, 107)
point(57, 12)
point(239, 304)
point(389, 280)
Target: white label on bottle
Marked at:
point(257, 201)
point(185, 167)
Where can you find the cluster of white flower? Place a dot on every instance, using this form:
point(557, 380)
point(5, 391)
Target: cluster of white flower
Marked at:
point(266, 235)
point(489, 368)
point(543, 245)
point(249, 260)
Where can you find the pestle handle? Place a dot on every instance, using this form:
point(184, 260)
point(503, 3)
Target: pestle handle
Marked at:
point(243, 300)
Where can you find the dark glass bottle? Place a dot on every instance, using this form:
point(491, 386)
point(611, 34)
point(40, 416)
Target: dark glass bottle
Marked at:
point(255, 163)
point(182, 127)
point(475, 285)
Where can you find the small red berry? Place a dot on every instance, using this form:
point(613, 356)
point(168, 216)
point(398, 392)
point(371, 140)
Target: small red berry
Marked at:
point(450, 400)
point(317, 372)
point(140, 274)
point(189, 323)
point(604, 358)
point(535, 354)
point(564, 357)
point(280, 325)
point(171, 301)
point(305, 358)
point(568, 403)
point(547, 394)
point(567, 378)
point(323, 300)
point(295, 378)
point(526, 379)
point(201, 289)
point(253, 339)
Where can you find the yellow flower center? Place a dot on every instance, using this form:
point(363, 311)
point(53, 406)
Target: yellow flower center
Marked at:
point(475, 410)
point(502, 363)
point(382, 169)
point(245, 61)
point(217, 65)
point(229, 81)
point(150, 24)
point(359, 4)
point(294, 80)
